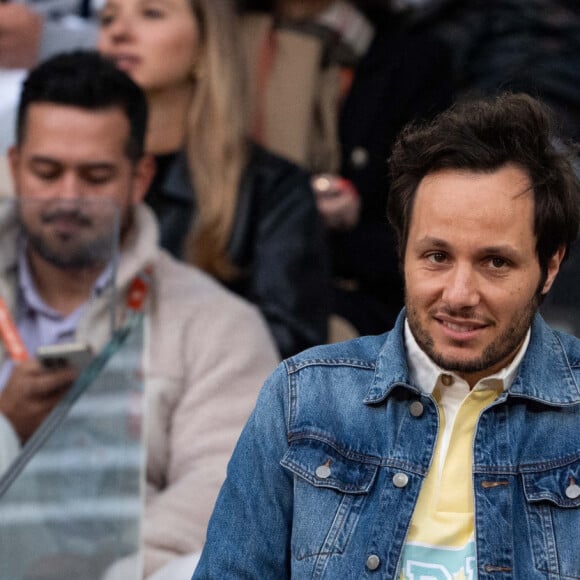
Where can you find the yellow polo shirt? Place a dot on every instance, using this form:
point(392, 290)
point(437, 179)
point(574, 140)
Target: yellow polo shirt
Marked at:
point(441, 543)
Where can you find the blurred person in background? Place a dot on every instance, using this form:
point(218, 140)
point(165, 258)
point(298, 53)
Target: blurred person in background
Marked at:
point(332, 83)
point(240, 213)
point(81, 131)
point(530, 46)
point(33, 30)
point(30, 31)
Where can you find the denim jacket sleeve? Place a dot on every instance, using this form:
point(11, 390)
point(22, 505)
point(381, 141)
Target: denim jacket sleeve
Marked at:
point(249, 532)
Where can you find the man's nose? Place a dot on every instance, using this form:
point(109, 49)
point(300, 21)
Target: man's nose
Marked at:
point(70, 186)
point(461, 287)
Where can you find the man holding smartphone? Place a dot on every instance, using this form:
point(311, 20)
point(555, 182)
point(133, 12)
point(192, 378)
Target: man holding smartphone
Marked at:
point(80, 139)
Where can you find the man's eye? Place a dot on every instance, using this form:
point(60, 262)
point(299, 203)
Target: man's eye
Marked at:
point(97, 178)
point(437, 257)
point(497, 263)
point(47, 175)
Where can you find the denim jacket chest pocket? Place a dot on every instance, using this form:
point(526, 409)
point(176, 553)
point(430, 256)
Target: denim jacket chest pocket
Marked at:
point(553, 511)
point(329, 491)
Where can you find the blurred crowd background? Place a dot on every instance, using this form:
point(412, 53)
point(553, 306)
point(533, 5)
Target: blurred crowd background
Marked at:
point(326, 85)
point(270, 125)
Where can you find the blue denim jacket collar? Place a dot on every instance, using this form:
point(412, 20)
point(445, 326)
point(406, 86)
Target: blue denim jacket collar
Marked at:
point(545, 374)
point(535, 379)
point(391, 368)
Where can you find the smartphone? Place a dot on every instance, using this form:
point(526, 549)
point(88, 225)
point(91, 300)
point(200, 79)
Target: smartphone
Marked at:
point(70, 354)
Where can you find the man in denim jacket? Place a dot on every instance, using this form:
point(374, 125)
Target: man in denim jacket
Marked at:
point(450, 446)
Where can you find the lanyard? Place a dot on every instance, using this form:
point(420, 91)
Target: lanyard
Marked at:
point(136, 295)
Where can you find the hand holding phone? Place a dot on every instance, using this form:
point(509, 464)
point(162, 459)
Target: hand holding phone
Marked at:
point(76, 355)
point(30, 394)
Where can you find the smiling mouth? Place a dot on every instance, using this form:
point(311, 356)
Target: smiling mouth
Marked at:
point(460, 327)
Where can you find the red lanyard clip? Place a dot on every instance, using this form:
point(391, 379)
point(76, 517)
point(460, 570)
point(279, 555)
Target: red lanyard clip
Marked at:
point(139, 288)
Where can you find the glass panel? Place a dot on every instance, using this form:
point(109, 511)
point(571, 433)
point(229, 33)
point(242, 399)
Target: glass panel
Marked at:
point(10, 87)
point(70, 505)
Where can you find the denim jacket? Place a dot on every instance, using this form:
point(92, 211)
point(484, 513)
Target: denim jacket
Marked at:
point(328, 469)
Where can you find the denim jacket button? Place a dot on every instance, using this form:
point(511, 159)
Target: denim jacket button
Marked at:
point(373, 562)
point(416, 408)
point(322, 472)
point(400, 479)
point(573, 491)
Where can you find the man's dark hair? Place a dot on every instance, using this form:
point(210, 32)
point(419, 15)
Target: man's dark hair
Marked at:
point(86, 80)
point(483, 136)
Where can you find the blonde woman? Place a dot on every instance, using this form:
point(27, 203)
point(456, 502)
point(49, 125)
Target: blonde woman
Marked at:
point(242, 214)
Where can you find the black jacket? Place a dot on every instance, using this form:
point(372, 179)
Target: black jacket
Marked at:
point(277, 242)
point(404, 76)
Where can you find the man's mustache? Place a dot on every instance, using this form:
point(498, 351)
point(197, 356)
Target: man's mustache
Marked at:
point(69, 215)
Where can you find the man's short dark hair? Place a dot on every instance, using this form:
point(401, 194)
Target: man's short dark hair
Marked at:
point(86, 80)
point(484, 135)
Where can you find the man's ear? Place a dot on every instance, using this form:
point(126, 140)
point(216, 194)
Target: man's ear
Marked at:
point(14, 163)
point(142, 177)
point(553, 268)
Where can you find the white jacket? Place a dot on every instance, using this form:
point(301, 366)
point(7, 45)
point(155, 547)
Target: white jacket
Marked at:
point(207, 355)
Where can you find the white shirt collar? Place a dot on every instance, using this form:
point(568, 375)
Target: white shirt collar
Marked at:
point(424, 373)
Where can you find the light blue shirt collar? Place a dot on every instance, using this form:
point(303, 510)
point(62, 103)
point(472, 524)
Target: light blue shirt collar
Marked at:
point(30, 298)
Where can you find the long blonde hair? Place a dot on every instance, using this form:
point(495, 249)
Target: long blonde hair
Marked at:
point(216, 139)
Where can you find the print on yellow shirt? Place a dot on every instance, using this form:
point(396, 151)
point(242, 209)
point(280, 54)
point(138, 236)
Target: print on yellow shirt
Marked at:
point(436, 563)
point(440, 544)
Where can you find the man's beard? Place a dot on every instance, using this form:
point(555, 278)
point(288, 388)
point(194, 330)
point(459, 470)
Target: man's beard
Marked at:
point(498, 350)
point(73, 251)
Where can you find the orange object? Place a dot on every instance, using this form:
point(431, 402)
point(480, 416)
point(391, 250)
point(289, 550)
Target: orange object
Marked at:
point(10, 335)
